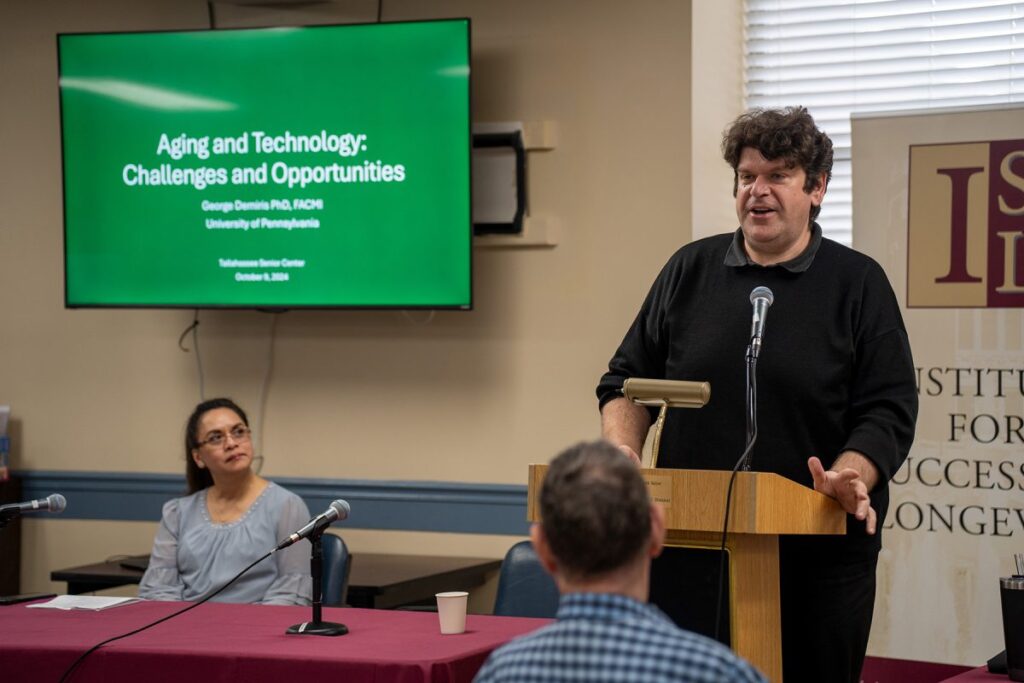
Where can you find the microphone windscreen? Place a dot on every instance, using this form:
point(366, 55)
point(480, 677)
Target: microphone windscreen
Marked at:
point(762, 292)
point(57, 502)
point(342, 507)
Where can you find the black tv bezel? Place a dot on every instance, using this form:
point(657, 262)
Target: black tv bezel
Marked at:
point(469, 306)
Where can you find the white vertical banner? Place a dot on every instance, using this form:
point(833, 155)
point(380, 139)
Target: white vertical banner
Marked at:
point(939, 202)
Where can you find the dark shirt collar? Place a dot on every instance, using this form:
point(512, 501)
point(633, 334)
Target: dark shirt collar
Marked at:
point(737, 255)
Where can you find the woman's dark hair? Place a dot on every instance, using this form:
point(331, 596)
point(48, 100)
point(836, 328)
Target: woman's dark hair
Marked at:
point(789, 134)
point(197, 477)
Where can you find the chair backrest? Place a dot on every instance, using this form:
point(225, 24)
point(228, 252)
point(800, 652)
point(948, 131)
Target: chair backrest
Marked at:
point(337, 564)
point(525, 589)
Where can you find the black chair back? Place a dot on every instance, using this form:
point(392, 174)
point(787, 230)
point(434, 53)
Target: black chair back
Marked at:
point(525, 589)
point(337, 564)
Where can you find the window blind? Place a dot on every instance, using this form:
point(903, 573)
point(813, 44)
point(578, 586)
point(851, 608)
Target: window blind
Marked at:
point(878, 55)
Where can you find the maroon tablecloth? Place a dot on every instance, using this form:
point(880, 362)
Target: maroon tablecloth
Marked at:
point(979, 675)
point(222, 642)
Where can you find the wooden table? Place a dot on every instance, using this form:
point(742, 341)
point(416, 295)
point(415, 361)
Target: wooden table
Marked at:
point(377, 580)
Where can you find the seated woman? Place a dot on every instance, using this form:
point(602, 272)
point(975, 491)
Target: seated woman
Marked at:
point(232, 517)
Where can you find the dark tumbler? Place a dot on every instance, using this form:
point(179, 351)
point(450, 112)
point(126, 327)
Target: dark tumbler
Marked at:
point(1012, 594)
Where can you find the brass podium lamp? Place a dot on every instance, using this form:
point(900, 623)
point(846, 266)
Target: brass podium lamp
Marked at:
point(666, 393)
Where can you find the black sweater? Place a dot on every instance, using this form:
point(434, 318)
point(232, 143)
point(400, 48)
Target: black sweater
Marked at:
point(835, 371)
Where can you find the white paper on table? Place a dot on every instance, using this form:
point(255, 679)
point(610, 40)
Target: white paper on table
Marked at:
point(88, 602)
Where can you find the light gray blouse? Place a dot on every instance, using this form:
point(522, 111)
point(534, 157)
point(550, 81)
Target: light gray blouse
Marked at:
point(193, 556)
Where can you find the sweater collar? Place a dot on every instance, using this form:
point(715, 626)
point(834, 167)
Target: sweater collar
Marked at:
point(737, 256)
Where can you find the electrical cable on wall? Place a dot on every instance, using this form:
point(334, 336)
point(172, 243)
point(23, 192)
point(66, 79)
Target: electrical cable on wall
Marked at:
point(429, 319)
point(265, 390)
point(194, 329)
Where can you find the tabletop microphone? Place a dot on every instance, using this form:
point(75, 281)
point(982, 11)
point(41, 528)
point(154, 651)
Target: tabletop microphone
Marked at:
point(52, 503)
point(762, 298)
point(338, 510)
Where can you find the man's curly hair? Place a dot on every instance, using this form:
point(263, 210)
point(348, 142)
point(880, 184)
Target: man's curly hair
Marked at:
point(789, 134)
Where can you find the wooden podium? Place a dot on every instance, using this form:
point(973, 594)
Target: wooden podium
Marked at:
point(764, 506)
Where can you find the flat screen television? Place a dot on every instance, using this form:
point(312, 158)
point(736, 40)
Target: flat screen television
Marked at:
point(318, 167)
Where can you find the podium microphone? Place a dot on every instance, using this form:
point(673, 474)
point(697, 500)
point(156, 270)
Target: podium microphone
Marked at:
point(338, 510)
point(761, 298)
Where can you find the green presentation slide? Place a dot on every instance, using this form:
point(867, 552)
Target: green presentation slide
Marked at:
point(288, 167)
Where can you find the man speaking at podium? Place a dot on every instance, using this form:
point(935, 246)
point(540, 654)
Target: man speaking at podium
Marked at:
point(836, 394)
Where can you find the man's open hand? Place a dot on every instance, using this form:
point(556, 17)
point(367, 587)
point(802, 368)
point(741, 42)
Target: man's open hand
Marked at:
point(848, 488)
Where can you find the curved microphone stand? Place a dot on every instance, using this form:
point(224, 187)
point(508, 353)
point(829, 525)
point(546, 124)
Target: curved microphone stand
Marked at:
point(317, 627)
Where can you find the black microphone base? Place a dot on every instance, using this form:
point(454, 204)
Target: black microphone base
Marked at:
point(317, 628)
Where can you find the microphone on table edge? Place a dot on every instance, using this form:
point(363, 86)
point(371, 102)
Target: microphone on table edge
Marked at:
point(53, 503)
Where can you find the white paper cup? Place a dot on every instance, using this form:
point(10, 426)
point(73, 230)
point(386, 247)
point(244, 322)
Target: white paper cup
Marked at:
point(451, 611)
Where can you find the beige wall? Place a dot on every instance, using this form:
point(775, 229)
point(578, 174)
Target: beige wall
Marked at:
point(716, 82)
point(467, 397)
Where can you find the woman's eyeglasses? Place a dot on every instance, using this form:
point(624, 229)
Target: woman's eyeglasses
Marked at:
point(238, 434)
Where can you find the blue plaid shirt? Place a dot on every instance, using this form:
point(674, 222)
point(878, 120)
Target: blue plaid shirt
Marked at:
point(603, 637)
